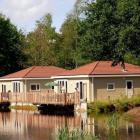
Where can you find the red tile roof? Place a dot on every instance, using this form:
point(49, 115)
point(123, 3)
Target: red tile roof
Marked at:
point(36, 72)
point(103, 68)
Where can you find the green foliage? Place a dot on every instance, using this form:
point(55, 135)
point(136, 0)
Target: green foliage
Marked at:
point(132, 59)
point(41, 42)
point(66, 134)
point(71, 56)
point(112, 122)
point(94, 30)
point(113, 126)
point(46, 47)
point(68, 43)
point(119, 105)
point(98, 106)
point(11, 47)
point(111, 30)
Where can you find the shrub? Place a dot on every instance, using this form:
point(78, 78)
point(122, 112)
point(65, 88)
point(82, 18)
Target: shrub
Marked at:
point(120, 105)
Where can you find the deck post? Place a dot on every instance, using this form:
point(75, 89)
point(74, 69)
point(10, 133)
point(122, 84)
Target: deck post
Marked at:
point(16, 98)
point(1, 97)
point(65, 98)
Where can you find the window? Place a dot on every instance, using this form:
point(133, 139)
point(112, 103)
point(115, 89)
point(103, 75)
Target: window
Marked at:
point(35, 87)
point(110, 86)
point(16, 87)
point(77, 85)
point(3, 88)
point(61, 83)
point(81, 90)
point(66, 86)
point(62, 86)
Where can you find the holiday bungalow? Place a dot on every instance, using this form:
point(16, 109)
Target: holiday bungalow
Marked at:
point(95, 81)
point(100, 80)
point(32, 79)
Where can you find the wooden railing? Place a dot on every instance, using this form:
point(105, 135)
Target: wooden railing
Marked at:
point(42, 98)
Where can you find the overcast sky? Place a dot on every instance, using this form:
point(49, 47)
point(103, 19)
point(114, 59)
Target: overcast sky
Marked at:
point(24, 13)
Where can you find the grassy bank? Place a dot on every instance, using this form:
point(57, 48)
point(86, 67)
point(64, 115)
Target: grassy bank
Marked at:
point(109, 106)
point(24, 107)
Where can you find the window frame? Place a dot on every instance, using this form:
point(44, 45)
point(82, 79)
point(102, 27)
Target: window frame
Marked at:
point(62, 83)
point(3, 88)
point(110, 84)
point(16, 86)
point(36, 87)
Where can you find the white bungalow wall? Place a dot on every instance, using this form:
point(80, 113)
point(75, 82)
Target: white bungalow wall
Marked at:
point(71, 85)
point(25, 85)
point(9, 85)
point(41, 82)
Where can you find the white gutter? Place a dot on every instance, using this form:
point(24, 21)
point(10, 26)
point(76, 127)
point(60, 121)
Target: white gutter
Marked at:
point(122, 75)
point(107, 75)
point(12, 79)
point(72, 76)
point(15, 79)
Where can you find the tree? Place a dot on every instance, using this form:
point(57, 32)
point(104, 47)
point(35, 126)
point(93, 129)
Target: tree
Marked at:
point(111, 30)
point(11, 47)
point(70, 52)
point(42, 43)
point(68, 43)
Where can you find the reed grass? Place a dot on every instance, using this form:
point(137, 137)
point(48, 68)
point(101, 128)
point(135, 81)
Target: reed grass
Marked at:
point(113, 126)
point(113, 122)
point(75, 134)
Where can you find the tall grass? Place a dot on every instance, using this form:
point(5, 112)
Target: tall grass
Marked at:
point(66, 134)
point(113, 122)
point(113, 127)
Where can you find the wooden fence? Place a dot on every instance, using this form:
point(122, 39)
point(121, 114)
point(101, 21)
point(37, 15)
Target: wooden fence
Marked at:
point(42, 98)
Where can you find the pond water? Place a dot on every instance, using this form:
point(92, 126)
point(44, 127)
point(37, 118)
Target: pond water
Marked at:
point(27, 125)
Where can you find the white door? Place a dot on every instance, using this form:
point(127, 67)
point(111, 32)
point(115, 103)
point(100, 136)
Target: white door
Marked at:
point(129, 88)
point(85, 90)
point(82, 89)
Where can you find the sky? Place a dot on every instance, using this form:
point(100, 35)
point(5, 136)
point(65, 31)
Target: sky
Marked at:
point(24, 13)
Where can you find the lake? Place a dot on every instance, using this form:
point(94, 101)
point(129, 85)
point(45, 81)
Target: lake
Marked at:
point(28, 125)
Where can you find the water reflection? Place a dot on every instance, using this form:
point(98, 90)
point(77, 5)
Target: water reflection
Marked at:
point(26, 125)
point(33, 126)
point(126, 130)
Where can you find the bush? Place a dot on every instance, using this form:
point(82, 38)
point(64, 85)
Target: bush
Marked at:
point(119, 105)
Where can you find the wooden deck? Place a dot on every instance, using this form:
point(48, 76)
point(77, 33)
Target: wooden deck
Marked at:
point(42, 98)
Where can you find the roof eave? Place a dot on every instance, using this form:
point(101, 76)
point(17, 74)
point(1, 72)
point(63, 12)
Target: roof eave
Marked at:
point(69, 76)
point(114, 75)
point(29, 78)
point(95, 75)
